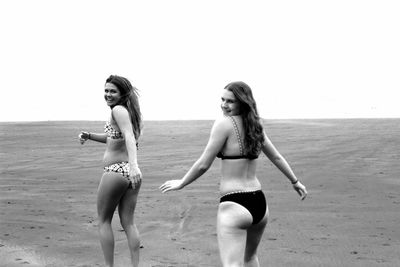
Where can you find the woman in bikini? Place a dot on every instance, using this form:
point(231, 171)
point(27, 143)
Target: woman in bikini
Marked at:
point(121, 180)
point(238, 138)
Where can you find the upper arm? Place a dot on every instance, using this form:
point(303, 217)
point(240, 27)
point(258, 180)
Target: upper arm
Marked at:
point(218, 136)
point(121, 117)
point(269, 149)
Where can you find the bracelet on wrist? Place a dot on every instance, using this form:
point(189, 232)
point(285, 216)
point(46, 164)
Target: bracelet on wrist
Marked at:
point(295, 182)
point(89, 136)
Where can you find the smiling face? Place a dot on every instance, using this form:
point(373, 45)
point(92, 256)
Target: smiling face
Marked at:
point(112, 95)
point(229, 104)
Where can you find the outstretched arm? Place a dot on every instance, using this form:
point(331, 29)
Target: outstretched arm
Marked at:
point(280, 162)
point(216, 141)
point(98, 137)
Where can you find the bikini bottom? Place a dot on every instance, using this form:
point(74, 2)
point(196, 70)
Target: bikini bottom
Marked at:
point(253, 201)
point(121, 168)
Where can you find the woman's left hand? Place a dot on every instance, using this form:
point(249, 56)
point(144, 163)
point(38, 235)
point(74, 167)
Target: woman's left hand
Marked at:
point(300, 189)
point(135, 176)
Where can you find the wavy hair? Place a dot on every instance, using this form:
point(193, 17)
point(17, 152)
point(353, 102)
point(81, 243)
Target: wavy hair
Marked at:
point(130, 100)
point(253, 130)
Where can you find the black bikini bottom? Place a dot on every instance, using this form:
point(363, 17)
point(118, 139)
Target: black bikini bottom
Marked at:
point(253, 201)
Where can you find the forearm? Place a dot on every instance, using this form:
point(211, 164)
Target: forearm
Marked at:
point(285, 168)
point(195, 172)
point(130, 143)
point(98, 137)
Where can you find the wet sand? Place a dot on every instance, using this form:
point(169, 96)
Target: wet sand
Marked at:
point(350, 167)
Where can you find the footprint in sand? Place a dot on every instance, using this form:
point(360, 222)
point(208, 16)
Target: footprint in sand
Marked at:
point(24, 262)
point(11, 254)
point(181, 224)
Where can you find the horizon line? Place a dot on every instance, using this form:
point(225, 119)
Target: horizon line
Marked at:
point(166, 120)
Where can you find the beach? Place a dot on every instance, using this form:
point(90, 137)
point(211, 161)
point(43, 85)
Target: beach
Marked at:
point(350, 218)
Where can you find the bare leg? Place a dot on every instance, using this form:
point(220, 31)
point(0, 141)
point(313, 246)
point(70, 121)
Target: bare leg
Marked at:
point(233, 220)
point(254, 234)
point(126, 211)
point(110, 190)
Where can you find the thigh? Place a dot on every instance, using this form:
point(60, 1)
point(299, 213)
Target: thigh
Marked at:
point(111, 188)
point(254, 235)
point(127, 204)
point(232, 223)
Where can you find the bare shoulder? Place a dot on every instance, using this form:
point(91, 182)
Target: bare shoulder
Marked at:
point(223, 121)
point(222, 125)
point(119, 111)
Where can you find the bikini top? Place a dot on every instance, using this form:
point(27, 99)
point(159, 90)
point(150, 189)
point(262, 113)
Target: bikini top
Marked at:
point(111, 132)
point(241, 156)
point(114, 134)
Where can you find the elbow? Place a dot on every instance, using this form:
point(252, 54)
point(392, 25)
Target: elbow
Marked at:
point(203, 167)
point(276, 159)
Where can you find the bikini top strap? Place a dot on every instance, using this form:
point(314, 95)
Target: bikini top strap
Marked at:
point(237, 135)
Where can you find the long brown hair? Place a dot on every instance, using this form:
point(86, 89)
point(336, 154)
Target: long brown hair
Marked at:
point(253, 130)
point(130, 100)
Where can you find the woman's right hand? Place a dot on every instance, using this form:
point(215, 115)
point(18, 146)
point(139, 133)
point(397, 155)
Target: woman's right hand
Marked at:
point(83, 137)
point(171, 185)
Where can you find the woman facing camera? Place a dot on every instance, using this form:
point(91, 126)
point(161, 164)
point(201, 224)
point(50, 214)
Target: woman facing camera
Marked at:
point(121, 180)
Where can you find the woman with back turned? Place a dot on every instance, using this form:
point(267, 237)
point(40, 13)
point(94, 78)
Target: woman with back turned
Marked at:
point(121, 180)
point(238, 138)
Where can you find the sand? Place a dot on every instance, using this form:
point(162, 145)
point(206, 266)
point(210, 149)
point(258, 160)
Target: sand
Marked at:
point(350, 167)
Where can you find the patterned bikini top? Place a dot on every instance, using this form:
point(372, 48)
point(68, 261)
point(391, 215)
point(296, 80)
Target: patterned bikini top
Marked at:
point(111, 132)
point(114, 134)
point(238, 137)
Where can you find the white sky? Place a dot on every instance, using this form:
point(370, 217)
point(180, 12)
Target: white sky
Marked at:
point(303, 59)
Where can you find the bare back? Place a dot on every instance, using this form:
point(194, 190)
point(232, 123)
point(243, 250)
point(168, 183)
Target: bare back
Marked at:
point(237, 174)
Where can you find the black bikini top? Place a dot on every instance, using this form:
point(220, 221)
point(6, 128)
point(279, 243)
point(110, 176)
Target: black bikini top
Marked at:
point(241, 156)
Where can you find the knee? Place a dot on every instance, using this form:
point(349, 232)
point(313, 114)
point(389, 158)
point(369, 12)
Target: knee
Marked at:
point(126, 222)
point(104, 216)
point(104, 221)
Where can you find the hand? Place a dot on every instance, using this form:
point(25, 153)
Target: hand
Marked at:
point(171, 185)
point(135, 176)
point(83, 137)
point(300, 189)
